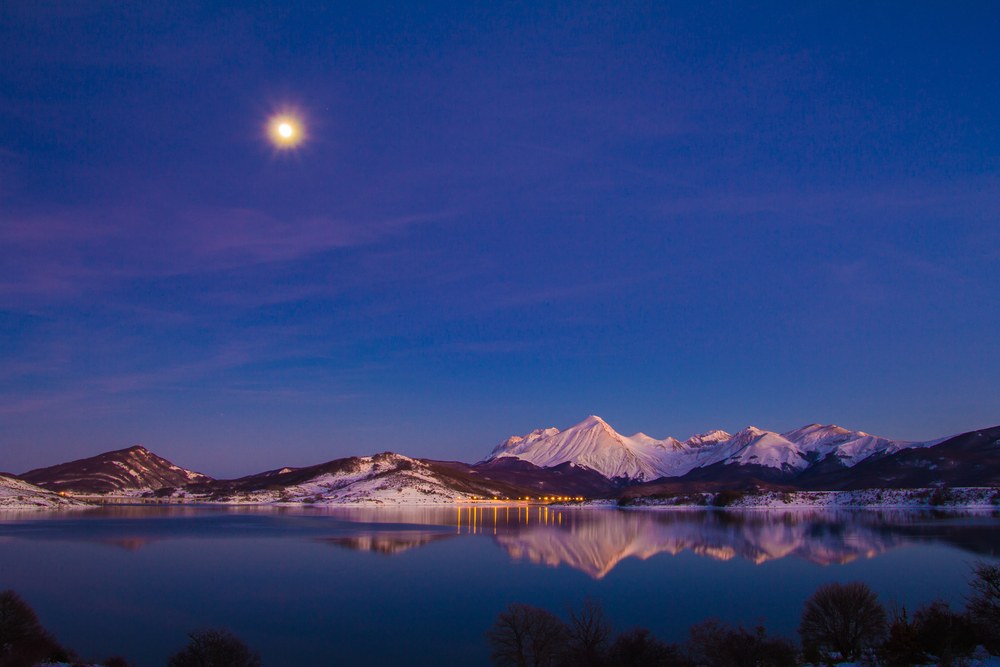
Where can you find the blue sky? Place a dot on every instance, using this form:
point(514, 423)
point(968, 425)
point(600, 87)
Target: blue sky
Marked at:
point(679, 216)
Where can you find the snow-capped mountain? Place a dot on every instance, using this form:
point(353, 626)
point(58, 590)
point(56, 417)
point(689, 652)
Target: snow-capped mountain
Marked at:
point(595, 444)
point(127, 471)
point(850, 447)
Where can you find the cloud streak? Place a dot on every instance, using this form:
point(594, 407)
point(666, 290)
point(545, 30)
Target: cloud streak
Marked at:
point(62, 254)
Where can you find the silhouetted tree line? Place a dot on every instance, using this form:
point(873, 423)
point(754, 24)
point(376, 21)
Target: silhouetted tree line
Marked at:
point(840, 622)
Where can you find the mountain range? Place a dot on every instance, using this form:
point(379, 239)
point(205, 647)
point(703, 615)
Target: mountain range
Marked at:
point(595, 444)
point(589, 459)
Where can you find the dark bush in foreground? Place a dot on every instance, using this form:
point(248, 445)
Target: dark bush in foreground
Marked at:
point(116, 661)
point(841, 621)
point(215, 648)
point(984, 604)
point(23, 640)
point(526, 636)
point(902, 645)
point(715, 644)
point(944, 635)
point(935, 635)
point(639, 648)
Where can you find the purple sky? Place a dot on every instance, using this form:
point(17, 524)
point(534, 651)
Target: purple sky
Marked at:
point(679, 216)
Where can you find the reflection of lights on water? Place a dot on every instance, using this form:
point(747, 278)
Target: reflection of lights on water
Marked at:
point(474, 520)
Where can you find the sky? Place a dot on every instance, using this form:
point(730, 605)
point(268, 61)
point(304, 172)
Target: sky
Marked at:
point(680, 216)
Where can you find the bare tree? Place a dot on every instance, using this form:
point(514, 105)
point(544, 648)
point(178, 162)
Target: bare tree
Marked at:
point(215, 648)
point(589, 631)
point(984, 604)
point(526, 636)
point(842, 621)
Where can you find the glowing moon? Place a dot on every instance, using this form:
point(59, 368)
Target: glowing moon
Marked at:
point(285, 131)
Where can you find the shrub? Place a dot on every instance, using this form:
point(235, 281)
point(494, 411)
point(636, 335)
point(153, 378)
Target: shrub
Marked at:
point(215, 648)
point(840, 621)
point(944, 634)
point(638, 648)
point(941, 496)
point(902, 646)
point(715, 644)
point(984, 604)
point(727, 497)
point(526, 636)
point(936, 634)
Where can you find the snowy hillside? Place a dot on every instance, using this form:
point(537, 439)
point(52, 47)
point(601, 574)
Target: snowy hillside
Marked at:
point(125, 471)
point(595, 444)
point(16, 494)
point(386, 478)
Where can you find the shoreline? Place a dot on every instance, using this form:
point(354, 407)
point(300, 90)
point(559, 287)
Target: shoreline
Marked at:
point(963, 499)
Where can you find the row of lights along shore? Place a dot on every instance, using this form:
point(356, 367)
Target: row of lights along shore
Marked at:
point(525, 499)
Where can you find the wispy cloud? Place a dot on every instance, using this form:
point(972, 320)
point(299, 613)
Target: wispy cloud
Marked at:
point(68, 252)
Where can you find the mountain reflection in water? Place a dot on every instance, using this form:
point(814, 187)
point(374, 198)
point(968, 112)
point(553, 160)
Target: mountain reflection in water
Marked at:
point(389, 542)
point(595, 542)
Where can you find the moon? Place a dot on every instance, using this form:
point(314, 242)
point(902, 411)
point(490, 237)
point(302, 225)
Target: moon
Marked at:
point(285, 131)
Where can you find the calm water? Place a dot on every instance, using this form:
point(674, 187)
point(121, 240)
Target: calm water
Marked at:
point(421, 586)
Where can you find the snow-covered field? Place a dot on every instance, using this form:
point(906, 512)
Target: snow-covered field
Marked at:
point(958, 498)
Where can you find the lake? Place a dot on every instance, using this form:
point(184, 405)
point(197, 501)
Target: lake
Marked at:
point(421, 586)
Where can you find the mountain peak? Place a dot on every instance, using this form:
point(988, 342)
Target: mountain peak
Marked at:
point(707, 438)
point(592, 443)
point(130, 470)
